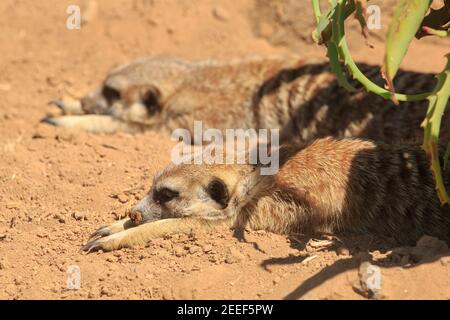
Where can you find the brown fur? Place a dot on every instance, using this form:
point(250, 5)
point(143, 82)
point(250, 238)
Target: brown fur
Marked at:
point(328, 186)
point(301, 98)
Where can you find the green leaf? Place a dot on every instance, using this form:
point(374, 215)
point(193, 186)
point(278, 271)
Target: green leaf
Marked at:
point(338, 37)
point(407, 19)
point(323, 23)
point(432, 124)
point(360, 15)
point(333, 55)
point(436, 20)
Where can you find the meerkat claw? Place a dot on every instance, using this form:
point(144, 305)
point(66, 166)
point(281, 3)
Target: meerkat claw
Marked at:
point(108, 243)
point(92, 246)
point(51, 120)
point(105, 243)
point(57, 102)
point(100, 233)
point(68, 106)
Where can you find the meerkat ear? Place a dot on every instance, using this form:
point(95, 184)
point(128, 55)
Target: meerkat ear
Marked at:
point(218, 191)
point(151, 100)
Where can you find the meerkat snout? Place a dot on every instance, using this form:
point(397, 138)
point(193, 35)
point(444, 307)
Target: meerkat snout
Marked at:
point(97, 101)
point(145, 211)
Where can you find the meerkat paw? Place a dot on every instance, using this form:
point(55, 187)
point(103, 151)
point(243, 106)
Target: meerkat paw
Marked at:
point(113, 228)
point(68, 106)
point(143, 233)
point(107, 242)
point(89, 122)
point(117, 236)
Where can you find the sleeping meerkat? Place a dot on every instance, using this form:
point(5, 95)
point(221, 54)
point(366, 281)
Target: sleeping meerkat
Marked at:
point(300, 97)
point(330, 185)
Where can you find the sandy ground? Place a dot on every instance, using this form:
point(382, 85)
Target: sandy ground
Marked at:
point(57, 186)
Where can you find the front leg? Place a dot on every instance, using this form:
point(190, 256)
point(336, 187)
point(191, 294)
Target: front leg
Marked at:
point(116, 227)
point(141, 234)
point(91, 123)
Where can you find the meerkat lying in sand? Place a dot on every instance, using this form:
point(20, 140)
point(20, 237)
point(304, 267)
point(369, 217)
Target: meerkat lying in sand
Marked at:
point(300, 97)
point(330, 185)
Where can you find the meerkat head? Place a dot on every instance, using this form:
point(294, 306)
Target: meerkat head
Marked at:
point(134, 103)
point(136, 91)
point(209, 192)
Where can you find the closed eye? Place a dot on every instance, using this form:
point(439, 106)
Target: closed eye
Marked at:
point(151, 99)
point(165, 195)
point(151, 102)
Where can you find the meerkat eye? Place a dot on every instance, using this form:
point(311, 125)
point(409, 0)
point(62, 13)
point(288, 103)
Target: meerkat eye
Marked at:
point(165, 195)
point(111, 95)
point(218, 191)
point(151, 101)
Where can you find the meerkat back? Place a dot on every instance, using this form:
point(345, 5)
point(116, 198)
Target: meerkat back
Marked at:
point(366, 187)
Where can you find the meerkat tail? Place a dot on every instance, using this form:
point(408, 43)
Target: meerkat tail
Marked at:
point(141, 234)
point(91, 123)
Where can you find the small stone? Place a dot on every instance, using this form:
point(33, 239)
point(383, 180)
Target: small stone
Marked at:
point(370, 280)
point(170, 30)
point(104, 291)
point(117, 254)
point(60, 218)
point(445, 261)
point(194, 249)
point(230, 260)
point(207, 248)
point(119, 216)
point(122, 198)
point(52, 81)
point(111, 259)
point(3, 264)
point(2, 236)
point(18, 281)
point(79, 216)
point(233, 256)
point(220, 13)
point(166, 293)
point(179, 252)
point(428, 247)
point(129, 277)
point(342, 251)
point(143, 256)
point(276, 280)
point(195, 268)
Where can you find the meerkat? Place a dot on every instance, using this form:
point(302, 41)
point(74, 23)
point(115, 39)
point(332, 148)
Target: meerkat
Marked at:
point(330, 185)
point(300, 97)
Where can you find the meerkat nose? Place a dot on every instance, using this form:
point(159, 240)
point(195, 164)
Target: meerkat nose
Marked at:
point(136, 216)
